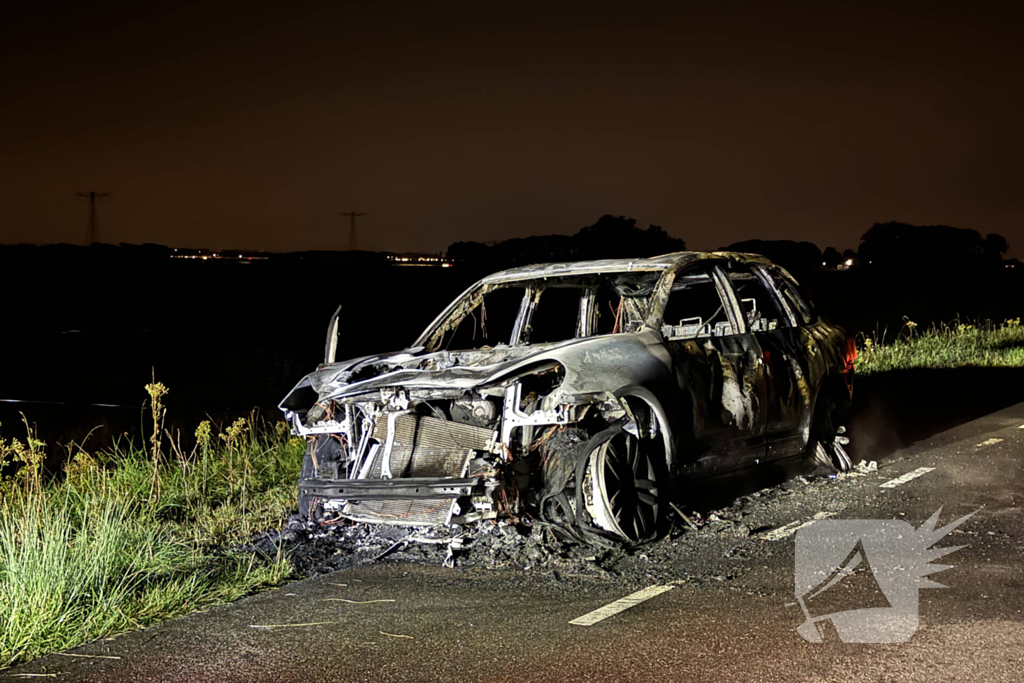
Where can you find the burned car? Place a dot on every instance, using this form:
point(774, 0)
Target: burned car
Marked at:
point(575, 395)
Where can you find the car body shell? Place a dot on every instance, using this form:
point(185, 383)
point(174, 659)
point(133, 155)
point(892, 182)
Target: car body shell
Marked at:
point(712, 398)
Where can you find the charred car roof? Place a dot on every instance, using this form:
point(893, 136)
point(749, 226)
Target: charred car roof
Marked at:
point(664, 262)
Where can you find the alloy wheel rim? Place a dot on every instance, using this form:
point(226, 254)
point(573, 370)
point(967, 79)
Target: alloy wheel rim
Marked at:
point(625, 488)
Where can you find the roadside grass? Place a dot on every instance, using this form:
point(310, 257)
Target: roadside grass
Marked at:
point(130, 536)
point(953, 345)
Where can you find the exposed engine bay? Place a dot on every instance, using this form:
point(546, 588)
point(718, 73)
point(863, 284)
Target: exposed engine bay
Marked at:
point(427, 456)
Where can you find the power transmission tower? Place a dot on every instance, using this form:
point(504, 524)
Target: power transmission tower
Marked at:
point(93, 235)
point(352, 227)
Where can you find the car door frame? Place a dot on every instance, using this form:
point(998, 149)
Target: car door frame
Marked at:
point(789, 351)
point(804, 352)
point(711, 444)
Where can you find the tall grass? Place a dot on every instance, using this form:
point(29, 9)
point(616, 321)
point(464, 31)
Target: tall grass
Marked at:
point(124, 538)
point(952, 345)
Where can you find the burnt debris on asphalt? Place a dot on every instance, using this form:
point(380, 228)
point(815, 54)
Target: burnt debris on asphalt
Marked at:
point(539, 552)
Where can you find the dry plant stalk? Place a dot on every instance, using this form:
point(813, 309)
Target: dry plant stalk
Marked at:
point(156, 391)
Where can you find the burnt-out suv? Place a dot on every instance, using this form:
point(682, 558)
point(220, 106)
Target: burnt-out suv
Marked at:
point(576, 394)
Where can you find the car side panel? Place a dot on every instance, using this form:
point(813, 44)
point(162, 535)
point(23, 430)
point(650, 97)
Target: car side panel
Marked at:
point(721, 385)
point(796, 368)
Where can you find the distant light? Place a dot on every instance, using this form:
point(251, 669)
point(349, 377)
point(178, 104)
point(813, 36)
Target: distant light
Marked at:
point(822, 263)
point(849, 261)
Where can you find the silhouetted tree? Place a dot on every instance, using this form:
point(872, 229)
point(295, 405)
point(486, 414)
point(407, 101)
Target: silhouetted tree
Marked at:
point(467, 252)
point(798, 257)
point(538, 249)
point(831, 258)
point(618, 237)
point(609, 237)
point(995, 247)
point(892, 245)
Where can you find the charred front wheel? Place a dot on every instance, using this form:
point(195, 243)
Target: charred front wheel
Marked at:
point(623, 492)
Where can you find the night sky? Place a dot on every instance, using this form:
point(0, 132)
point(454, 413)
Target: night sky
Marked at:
point(253, 125)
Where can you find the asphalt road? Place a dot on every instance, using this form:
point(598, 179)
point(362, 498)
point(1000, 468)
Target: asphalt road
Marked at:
point(395, 621)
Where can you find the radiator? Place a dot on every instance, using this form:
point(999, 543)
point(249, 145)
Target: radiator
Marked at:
point(422, 446)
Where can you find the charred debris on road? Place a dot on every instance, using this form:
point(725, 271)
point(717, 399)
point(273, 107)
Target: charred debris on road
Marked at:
point(710, 547)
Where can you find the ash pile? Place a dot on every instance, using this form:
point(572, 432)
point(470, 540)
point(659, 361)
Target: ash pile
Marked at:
point(316, 549)
point(534, 553)
point(712, 546)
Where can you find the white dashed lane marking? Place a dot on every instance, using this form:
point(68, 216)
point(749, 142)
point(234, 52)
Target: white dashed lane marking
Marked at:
point(791, 528)
point(909, 476)
point(621, 605)
point(988, 442)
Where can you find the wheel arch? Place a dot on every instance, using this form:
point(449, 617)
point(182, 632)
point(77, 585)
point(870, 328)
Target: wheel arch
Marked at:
point(646, 396)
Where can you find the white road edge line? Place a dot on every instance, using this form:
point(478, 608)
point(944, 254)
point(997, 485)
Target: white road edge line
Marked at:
point(989, 442)
point(621, 605)
point(909, 476)
point(791, 528)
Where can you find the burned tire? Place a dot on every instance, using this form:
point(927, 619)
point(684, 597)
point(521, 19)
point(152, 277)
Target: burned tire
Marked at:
point(830, 455)
point(825, 450)
point(622, 487)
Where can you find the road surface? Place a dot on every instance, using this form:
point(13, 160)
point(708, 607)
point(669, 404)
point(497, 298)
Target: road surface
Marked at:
point(395, 621)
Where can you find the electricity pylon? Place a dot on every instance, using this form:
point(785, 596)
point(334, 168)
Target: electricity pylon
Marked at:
point(93, 235)
point(352, 227)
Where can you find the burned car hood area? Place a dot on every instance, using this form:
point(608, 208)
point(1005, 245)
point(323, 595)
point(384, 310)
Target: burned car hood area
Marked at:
point(573, 395)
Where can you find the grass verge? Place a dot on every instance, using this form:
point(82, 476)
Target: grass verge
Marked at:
point(125, 538)
point(953, 345)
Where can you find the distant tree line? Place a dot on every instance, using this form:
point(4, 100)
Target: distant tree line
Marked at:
point(891, 246)
point(884, 247)
point(609, 237)
point(894, 245)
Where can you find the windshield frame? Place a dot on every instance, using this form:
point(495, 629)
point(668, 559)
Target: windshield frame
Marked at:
point(469, 300)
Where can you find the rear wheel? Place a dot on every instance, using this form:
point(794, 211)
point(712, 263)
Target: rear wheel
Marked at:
point(825, 446)
point(831, 455)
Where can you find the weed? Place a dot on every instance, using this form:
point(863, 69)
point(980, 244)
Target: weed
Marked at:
point(156, 391)
point(124, 538)
point(948, 345)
